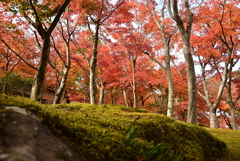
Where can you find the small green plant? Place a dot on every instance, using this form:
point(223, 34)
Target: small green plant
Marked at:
point(150, 151)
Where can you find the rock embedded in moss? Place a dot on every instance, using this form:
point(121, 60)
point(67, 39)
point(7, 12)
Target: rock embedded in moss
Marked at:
point(24, 138)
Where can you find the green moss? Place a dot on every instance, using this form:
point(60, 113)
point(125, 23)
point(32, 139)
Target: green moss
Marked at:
point(99, 132)
point(231, 138)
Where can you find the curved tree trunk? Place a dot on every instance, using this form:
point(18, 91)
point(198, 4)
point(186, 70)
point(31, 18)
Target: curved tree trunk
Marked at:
point(61, 89)
point(185, 35)
point(231, 103)
point(38, 82)
point(192, 86)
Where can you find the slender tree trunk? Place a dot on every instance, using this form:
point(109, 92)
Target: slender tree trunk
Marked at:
point(93, 88)
point(100, 86)
point(101, 97)
point(142, 101)
point(170, 94)
point(61, 89)
point(4, 90)
point(192, 86)
point(185, 35)
point(125, 97)
point(156, 102)
point(233, 116)
point(134, 95)
point(231, 104)
point(93, 64)
point(134, 60)
point(38, 82)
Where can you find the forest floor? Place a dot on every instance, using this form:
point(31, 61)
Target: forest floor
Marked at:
point(231, 138)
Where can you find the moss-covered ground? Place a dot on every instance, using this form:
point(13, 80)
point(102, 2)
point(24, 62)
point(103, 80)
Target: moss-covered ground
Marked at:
point(231, 138)
point(121, 133)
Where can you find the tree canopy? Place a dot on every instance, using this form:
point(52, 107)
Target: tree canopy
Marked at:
point(179, 58)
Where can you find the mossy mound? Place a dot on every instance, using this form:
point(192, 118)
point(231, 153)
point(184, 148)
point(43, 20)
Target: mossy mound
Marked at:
point(121, 133)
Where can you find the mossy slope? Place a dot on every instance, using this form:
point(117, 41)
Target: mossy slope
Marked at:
point(98, 132)
point(231, 138)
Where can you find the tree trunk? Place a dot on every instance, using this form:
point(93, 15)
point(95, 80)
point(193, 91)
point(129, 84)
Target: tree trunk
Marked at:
point(231, 104)
point(4, 90)
point(170, 94)
point(134, 95)
point(185, 35)
point(134, 60)
point(125, 97)
point(61, 89)
point(93, 89)
point(101, 97)
point(38, 82)
point(100, 87)
point(93, 64)
point(233, 117)
point(213, 119)
point(192, 86)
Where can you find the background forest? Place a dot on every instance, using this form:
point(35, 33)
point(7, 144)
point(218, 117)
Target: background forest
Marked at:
point(179, 58)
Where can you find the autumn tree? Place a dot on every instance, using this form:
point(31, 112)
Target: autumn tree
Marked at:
point(166, 34)
point(218, 49)
point(16, 56)
point(97, 14)
point(43, 17)
point(14, 50)
point(66, 28)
